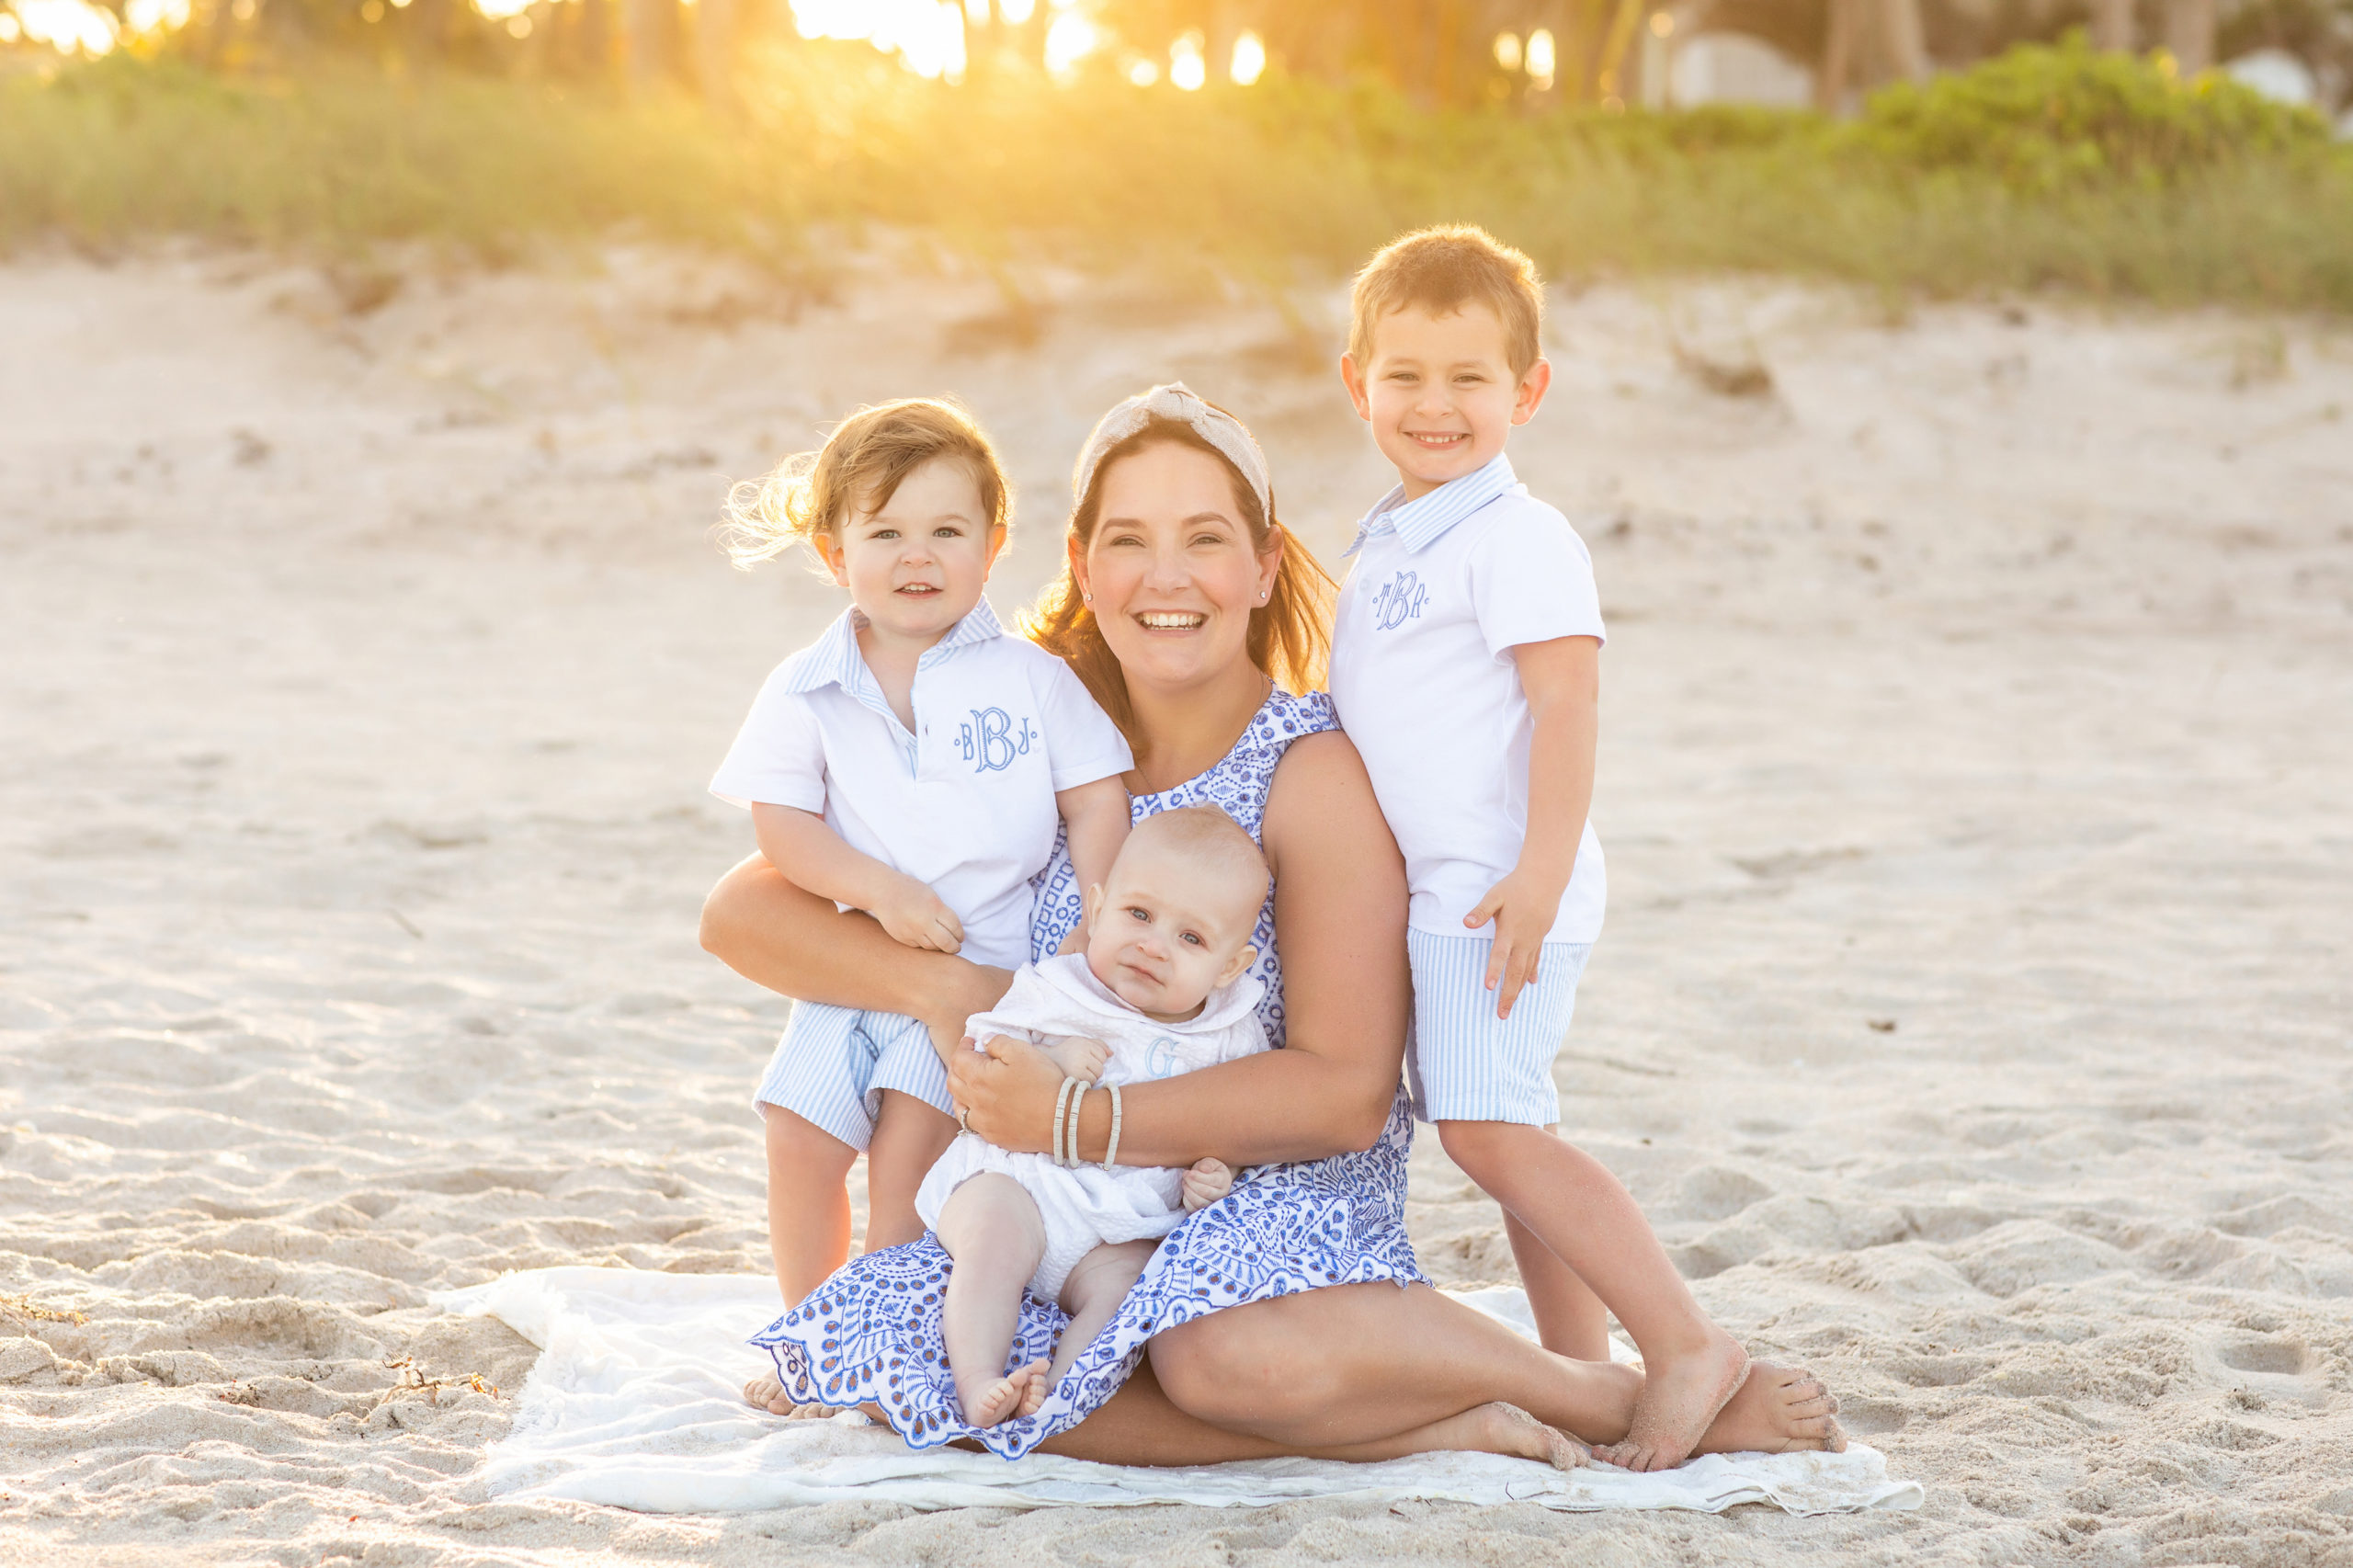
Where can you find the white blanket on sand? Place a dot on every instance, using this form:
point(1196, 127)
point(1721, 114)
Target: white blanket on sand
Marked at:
point(636, 1401)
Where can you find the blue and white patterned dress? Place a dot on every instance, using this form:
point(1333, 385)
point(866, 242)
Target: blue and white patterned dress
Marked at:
point(870, 1334)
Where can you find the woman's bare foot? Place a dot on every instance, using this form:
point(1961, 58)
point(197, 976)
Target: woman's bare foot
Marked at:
point(1501, 1428)
point(1019, 1395)
point(767, 1393)
point(1779, 1410)
point(1681, 1396)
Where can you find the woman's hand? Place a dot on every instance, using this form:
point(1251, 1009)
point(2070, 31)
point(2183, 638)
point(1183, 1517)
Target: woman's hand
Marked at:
point(1006, 1091)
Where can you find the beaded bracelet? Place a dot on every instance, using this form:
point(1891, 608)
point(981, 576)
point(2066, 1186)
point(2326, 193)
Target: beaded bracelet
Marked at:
point(1111, 1153)
point(1062, 1110)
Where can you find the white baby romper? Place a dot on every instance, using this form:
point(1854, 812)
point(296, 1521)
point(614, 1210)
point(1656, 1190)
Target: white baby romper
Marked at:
point(1089, 1206)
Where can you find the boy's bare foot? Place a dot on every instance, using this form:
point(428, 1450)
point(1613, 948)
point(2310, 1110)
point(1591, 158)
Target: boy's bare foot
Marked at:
point(1501, 1428)
point(1680, 1398)
point(1019, 1395)
point(1779, 1410)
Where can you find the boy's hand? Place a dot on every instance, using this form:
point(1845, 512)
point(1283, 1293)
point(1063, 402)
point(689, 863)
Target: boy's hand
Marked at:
point(1523, 906)
point(1206, 1182)
point(917, 917)
point(1078, 1056)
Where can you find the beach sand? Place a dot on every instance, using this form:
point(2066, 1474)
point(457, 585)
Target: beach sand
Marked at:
point(1974, 1016)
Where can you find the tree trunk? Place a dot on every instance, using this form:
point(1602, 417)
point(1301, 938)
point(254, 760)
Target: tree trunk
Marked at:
point(2189, 34)
point(2113, 25)
point(1837, 55)
point(715, 52)
point(1907, 49)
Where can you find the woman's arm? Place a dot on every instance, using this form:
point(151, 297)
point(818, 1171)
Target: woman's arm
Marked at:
point(790, 940)
point(813, 856)
point(1340, 925)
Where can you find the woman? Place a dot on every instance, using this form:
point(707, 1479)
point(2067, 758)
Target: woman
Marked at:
point(1290, 1318)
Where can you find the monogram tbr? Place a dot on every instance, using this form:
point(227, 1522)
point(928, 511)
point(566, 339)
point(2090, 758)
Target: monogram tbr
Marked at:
point(989, 743)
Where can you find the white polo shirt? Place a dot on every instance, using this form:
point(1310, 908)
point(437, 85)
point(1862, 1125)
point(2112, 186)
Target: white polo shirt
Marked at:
point(965, 802)
point(1440, 592)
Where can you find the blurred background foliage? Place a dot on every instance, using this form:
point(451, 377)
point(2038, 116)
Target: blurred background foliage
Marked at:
point(1930, 146)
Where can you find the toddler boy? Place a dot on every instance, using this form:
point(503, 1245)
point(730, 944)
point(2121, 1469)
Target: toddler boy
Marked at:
point(1464, 667)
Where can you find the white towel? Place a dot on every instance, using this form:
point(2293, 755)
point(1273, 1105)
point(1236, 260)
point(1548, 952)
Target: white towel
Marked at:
point(636, 1401)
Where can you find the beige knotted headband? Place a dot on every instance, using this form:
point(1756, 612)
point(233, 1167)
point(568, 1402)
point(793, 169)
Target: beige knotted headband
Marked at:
point(1177, 403)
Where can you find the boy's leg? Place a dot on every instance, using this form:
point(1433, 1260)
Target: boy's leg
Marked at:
point(1487, 1082)
point(1097, 1284)
point(993, 1232)
point(909, 1137)
point(914, 1124)
point(1570, 1319)
point(808, 1204)
point(1569, 1201)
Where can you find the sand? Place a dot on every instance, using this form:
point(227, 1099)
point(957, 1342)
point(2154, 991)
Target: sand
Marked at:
point(1973, 1015)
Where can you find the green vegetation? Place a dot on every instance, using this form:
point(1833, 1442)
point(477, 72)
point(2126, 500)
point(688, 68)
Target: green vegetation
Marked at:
point(2047, 167)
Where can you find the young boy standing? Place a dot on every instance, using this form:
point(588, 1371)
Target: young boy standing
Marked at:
point(1464, 666)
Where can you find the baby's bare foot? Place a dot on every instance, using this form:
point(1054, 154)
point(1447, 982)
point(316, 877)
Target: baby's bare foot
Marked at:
point(1779, 1410)
point(1019, 1395)
point(1681, 1397)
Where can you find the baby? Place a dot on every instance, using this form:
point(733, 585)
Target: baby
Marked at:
point(1161, 989)
point(915, 763)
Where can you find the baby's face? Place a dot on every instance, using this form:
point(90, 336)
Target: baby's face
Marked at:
point(916, 565)
point(1163, 933)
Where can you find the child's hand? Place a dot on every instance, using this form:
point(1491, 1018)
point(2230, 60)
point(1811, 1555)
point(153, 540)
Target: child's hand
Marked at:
point(916, 918)
point(1523, 906)
point(1206, 1182)
point(1078, 1056)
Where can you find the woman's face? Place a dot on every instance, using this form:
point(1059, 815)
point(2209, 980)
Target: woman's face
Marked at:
point(1172, 567)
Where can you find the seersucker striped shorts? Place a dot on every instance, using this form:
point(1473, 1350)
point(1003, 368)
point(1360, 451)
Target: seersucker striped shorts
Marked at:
point(1463, 1064)
point(833, 1064)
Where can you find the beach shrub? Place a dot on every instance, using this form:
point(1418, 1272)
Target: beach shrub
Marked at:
point(2051, 117)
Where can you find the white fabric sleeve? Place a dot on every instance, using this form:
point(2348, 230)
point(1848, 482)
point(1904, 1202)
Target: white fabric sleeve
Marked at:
point(779, 757)
point(1531, 580)
point(1082, 743)
point(1021, 1012)
point(1247, 1038)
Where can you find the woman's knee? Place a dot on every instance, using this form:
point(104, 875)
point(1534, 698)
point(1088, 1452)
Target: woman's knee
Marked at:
point(1239, 1364)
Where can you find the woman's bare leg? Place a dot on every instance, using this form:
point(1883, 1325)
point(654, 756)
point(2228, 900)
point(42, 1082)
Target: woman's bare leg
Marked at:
point(1354, 1364)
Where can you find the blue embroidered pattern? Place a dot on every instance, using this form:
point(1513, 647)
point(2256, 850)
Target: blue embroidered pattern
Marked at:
point(870, 1334)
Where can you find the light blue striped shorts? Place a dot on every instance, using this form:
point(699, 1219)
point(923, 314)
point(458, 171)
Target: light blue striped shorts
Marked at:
point(1463, 1064)
point(833, 1064)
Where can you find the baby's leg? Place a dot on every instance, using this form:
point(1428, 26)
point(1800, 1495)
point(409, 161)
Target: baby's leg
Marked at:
point(1570, 1319)
point(1097, 1284)
point(993, 1231)
point(909, 1137)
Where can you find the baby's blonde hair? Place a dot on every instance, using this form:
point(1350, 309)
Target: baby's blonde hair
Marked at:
point(1443, 269)
point(1212, 841)
point(858, 469)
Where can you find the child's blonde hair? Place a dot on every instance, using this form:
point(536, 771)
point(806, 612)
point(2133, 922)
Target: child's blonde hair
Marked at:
point(1443, 269)
point(858, 469)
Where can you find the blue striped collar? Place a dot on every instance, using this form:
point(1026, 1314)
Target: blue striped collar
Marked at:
point(1420, 523)
point(834, 659)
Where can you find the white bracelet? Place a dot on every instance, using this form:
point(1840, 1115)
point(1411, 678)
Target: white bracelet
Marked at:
point(1061, 1110)
point(1111, 1153)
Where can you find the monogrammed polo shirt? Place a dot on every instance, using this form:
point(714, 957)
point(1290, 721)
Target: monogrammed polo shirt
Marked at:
point(965, 800)
point(1440, 591)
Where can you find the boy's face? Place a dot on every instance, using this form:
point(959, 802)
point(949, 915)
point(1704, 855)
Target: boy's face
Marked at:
point(916, 565)
point(1439, 392)
point(1162, 934)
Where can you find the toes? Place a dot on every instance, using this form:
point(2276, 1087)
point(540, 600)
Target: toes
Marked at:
point(1835, 1439)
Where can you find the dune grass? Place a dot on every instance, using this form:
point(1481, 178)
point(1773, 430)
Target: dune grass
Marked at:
point(1272, 182)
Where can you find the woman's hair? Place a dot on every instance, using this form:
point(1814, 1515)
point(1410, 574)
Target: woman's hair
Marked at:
point(858, 469)
point(1290, 634)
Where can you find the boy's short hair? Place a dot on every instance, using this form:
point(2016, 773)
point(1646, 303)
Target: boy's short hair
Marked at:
point(1445, 269)
point(864, 461)
point(1211, 840)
